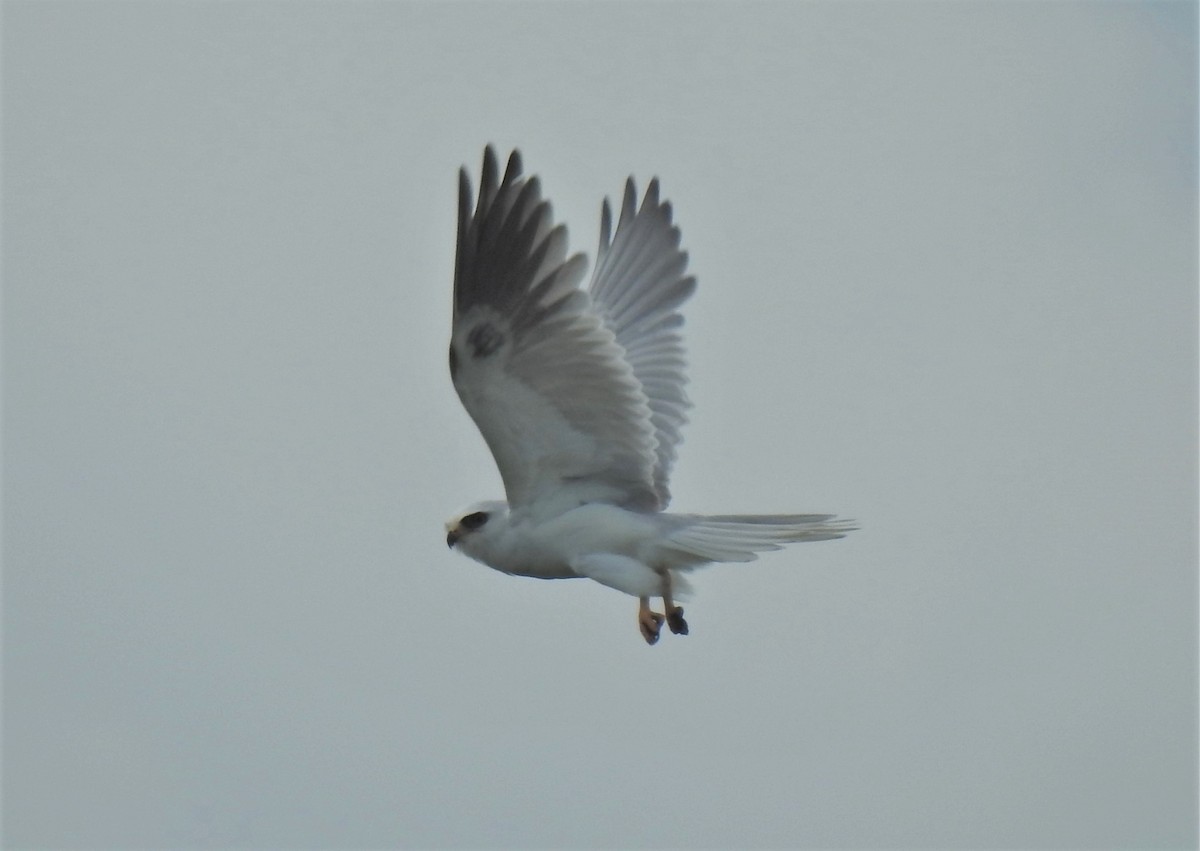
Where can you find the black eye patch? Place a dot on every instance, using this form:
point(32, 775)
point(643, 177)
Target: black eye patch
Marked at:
point(475, 520)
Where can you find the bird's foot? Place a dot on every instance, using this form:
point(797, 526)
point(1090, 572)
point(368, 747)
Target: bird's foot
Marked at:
point(676, 622)
point(650, 623)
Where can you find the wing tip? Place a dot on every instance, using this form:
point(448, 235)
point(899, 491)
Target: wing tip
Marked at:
point(605, 229)
point(629, 201)
point(514, 168)
point(651, 197)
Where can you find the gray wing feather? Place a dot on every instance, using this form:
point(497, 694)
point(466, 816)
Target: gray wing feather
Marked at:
point(535, 366)
point(638, 286)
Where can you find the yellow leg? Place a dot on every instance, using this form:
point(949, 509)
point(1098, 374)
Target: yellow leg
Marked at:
point(649, 622)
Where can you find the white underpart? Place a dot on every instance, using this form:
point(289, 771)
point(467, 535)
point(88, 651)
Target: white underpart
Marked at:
point(631, 551)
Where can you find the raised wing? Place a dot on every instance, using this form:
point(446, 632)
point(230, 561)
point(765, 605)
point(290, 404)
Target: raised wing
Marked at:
point(638, 286)
point(535, 366)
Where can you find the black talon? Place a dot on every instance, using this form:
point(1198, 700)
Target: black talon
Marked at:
point(676, 622)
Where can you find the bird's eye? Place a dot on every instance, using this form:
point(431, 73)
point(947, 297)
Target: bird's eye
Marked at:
point(475, 520)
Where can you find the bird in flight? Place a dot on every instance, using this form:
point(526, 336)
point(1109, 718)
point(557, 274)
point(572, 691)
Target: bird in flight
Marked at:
point(579, 394)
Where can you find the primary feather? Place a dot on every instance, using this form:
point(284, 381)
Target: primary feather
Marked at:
point(535, 365)
point(638, 286)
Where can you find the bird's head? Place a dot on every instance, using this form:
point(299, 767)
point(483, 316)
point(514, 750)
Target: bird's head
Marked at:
point(474, 525)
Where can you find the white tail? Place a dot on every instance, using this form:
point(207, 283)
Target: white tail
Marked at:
point(738, 537)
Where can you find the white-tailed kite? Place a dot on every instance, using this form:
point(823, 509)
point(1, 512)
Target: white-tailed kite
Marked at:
point(579, 395)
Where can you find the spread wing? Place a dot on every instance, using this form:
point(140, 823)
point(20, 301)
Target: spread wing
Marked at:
point(535, 366)
point(638, 286)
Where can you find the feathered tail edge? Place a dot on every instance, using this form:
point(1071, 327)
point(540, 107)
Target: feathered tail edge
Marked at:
point(740, 537)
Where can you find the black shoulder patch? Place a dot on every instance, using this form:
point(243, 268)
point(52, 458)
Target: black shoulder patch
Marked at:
point(484, 339)
point(453, 361)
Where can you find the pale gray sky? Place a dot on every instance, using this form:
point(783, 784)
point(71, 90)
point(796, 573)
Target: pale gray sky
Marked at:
point(947, 266)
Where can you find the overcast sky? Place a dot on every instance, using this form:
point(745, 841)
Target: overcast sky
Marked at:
point(947, 267)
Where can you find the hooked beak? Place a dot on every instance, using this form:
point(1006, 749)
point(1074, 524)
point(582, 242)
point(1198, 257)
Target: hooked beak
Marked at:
point(452, 538)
